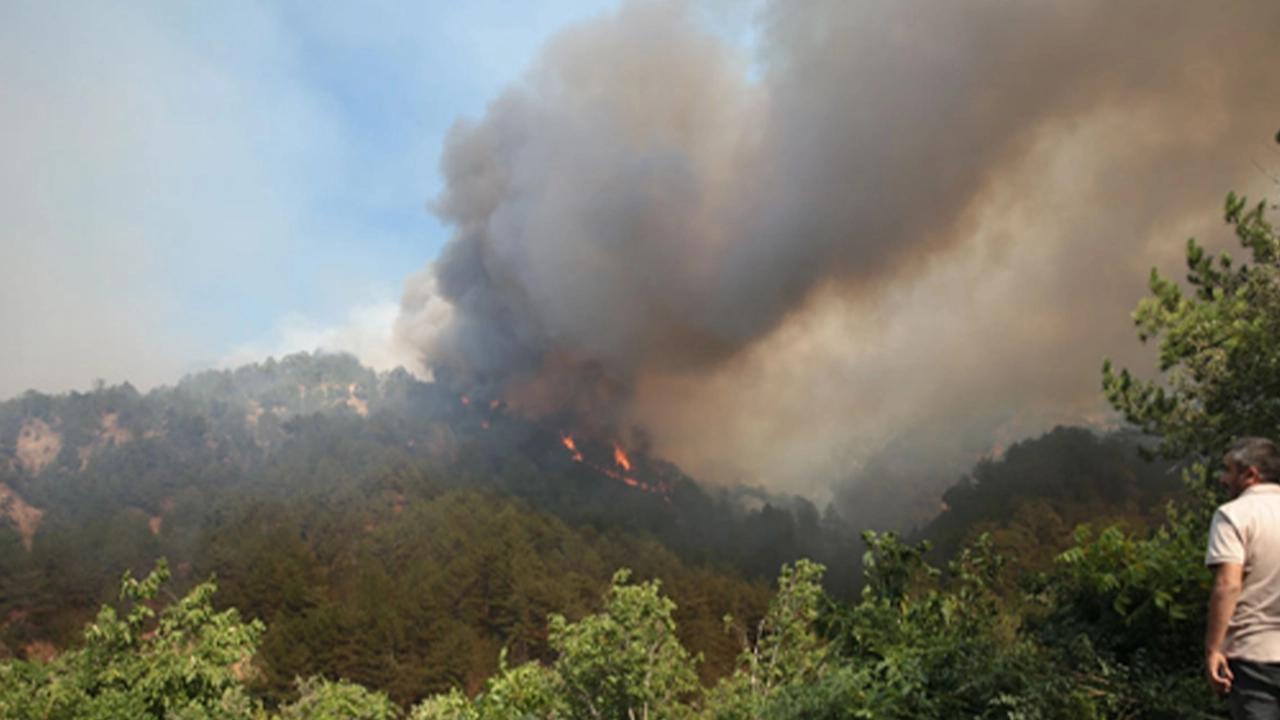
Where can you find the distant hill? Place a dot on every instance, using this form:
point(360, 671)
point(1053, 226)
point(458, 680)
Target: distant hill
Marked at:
point(354, 509)
point(1033, 497)
point(295, 426)
point(304, 466)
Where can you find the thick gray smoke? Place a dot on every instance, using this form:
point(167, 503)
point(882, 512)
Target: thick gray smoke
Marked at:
point(907, 219)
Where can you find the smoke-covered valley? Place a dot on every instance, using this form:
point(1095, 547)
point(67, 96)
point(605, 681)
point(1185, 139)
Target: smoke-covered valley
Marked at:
point(833, 238)
point(298, 481)
point(899, 233)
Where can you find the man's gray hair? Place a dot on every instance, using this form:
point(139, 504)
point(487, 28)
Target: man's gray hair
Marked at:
point(1255, 452)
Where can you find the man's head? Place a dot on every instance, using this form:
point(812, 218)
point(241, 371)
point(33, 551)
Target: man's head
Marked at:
point(1248, 462)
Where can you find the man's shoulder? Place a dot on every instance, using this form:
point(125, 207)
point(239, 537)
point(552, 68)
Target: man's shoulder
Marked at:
point(1257, 496)
point(1252, 512)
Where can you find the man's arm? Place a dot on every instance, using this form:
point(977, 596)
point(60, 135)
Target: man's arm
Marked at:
point(1228, 578)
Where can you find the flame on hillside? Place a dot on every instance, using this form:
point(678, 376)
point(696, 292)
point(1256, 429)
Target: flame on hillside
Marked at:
point(623, 470)
point(567, 441)
point(620, 457)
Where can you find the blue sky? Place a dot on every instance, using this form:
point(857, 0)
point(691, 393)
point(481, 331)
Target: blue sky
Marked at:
point(388, 81)
point(192, 182)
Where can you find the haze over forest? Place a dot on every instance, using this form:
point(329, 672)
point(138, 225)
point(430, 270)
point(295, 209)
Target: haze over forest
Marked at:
point(785, 243)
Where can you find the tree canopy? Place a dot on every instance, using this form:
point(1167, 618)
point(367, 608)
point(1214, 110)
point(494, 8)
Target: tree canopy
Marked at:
point(1219, 346)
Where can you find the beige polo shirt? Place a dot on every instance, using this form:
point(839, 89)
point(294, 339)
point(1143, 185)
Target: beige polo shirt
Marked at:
point(1247, 531)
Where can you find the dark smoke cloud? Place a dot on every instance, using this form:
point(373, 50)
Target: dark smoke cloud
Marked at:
point(916, 220)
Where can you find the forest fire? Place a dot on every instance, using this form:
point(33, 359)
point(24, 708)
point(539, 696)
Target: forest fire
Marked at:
point(619, 466)
point(567, 441)
point(661, 489)
point(620, 457)
point(622, 473)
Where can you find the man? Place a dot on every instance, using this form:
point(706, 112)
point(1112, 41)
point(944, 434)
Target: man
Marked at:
point(1242, 641)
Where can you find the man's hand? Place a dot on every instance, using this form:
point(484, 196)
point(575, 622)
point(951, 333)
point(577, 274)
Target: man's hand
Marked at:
point(1228, 578)
point(1220, 677)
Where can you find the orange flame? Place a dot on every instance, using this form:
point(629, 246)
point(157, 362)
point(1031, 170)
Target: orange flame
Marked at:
point(623, 472)
point(620, 457)
point(465, 400)
point(571, 446)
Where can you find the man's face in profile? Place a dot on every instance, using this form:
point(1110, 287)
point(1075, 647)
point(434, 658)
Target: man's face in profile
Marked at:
point(1237, 478)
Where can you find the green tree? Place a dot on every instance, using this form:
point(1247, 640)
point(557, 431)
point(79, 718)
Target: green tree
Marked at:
point(787, 654)
point(527, 692)
point(187, 661)
point(1219, 346)
point(320, 699)
point(1129, 610)
point(624, 662)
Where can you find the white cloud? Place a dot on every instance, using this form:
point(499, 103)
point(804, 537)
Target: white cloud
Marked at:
point(367, 332)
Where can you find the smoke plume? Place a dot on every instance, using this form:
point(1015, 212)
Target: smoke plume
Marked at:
point(897, 220)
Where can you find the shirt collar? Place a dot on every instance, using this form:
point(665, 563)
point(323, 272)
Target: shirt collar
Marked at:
point(1262, 487)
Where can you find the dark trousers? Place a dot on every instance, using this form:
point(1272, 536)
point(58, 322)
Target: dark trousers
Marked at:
point(1255, 690)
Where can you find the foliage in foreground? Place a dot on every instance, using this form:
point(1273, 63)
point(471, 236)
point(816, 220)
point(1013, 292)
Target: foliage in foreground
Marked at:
point(186, 661)
point(920, 643)
point(1219, 346)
